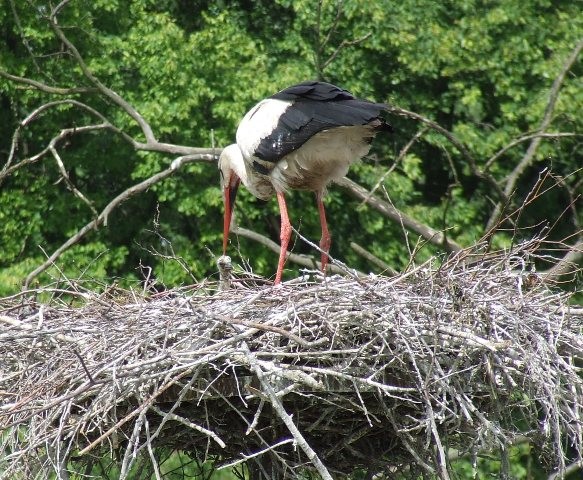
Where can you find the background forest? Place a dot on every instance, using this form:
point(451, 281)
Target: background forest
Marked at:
point(99, 96)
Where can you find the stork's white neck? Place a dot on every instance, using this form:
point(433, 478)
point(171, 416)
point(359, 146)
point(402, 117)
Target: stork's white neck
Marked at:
point(232, 160)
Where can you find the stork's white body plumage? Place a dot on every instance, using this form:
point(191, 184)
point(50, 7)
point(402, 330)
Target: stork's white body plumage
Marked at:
point(303, 137)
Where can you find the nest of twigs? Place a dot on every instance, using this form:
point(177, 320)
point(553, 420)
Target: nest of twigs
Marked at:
point(378, 374)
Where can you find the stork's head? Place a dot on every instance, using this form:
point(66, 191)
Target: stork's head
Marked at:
point(232, 168)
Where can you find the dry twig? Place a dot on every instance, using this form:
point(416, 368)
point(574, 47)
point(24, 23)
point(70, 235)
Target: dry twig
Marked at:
point(376, 373)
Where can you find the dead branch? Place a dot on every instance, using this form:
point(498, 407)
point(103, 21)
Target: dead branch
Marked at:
point(567, 265)
point(287, 419)
point(299, 259)
point(108, 92)
point(109, 208)
point(529, 156)
point(432, 236)
point(399, 158)
point(525, 138)
point(385, 267)
point(47, 88)
point(455, 142)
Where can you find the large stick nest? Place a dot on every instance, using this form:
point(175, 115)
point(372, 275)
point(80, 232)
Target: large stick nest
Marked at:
point(382, 374)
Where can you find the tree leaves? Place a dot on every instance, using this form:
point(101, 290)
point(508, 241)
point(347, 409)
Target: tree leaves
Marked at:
point(481, 71)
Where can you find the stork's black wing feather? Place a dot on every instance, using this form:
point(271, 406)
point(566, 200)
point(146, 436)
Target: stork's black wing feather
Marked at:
point(317, 91)
point(316, 106)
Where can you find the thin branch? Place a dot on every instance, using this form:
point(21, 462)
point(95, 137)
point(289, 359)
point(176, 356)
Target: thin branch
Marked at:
point(529, 156)
point(13, 322)
point(568, 264)
point(300, 259)
point(8, 168)
point(116, 98)
point(278, 330)
point(23, 37)
point(142, 408)
point(574, 467)
point(334, 24)
point(399, 158)
point(343, 45)
point(385, 267)
point(63, 134)
point(285, 417)
point(47, 88)
point(70, 184)
point(525, 138)
point(189, 424)
point(434, 237)
point(256, 454)
point(34, 115)
point(103, 216)
point(454, 141)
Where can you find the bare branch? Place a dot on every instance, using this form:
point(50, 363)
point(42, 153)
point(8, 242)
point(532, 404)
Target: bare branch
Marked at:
point(285, 417)
point(343, 45)
point(334, 24)
point(70, 185)
point(399, 158)
point(408, 358)
point(23, 37)
point(432, 236)
point(455, 142)
point(568, 264)
point(117, 99)
point(385, 267)
point(35, 115)
point(102, 218)
point(189, 424)
point(47, 88)
point(574, 467)
point(529, 156)
point(525, 138)
point(300, 259)
point(8, 168)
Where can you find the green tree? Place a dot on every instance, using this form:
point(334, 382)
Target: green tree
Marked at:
point(99, 96)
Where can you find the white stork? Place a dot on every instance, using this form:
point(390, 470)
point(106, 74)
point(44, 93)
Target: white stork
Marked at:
point(303, 137)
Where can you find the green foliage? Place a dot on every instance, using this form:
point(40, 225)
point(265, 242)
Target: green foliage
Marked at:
point(481, 69)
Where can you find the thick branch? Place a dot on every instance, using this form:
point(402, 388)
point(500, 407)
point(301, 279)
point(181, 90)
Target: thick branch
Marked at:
point(566, 265)
point(434, 237)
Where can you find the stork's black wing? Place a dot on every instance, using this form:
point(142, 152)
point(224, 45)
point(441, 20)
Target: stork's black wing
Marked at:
point(315, 106)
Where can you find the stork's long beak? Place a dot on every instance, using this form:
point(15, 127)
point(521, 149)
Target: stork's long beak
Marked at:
point(230, 193)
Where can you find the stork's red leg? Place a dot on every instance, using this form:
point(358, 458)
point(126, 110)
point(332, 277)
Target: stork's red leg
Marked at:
point(284, 235)
point(326, 239)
